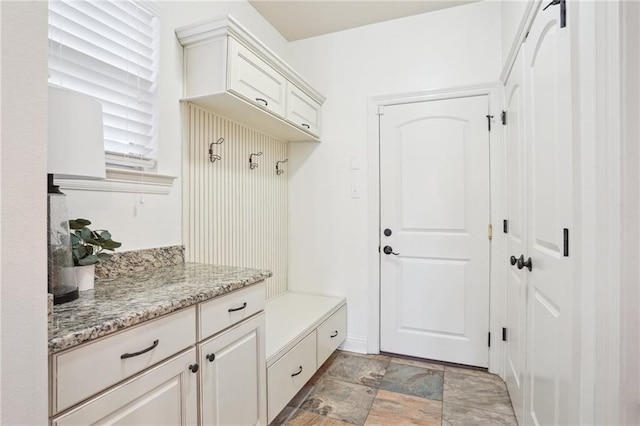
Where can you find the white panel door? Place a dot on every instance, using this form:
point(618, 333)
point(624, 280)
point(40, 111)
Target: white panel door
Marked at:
point(516, 287)
point(549, 197)
point(233, 383)
point(434, 170)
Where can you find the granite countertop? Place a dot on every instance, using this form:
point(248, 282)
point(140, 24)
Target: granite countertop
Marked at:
point(118, 303)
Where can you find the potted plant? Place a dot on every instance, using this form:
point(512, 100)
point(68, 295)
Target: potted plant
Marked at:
point(88, 248)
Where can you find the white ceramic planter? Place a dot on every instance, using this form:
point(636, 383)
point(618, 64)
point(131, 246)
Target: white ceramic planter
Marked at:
point(85, 276)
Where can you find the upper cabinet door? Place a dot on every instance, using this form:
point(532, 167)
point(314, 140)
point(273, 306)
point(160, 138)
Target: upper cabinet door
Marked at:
point(252, 78)
point(302, 111)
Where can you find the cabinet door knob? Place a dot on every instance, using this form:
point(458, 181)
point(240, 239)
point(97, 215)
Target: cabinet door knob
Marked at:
point(264, 101)
point(211, 357)
point(513, 260)
point(306, 126)
point(193, 368)
point(335, 333)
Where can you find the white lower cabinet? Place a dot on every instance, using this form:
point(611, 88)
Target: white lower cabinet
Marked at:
point(164, 395)
point(233, 380)
point(289, 374)
point(160, 373)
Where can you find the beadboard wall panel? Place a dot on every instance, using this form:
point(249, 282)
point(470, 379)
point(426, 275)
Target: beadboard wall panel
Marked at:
point(234, 215)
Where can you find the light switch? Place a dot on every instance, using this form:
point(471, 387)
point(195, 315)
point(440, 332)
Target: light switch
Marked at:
point(355, 191)
point(355, 162)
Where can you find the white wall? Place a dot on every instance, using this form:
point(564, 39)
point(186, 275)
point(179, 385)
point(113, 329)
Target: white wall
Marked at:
point(329, 244)
point(146, 220)
point(23, 214)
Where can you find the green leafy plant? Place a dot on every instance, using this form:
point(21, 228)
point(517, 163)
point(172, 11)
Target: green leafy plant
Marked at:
point(88, 246)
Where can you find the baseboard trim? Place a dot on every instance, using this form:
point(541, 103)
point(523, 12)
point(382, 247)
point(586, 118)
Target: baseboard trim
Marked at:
point(355, 344)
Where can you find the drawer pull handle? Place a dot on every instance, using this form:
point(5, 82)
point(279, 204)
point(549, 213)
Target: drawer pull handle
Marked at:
point(193, 368)
point(335, 333)
point(155, 343)
point(297, 373)
point(306, 126)
point(211, 357)
point(264, 101)
point(244, 305)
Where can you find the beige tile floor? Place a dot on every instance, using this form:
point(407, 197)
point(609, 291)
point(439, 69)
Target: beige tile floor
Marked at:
point(392, 390)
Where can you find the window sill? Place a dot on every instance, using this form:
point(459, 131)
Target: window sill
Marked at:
point(118, 180)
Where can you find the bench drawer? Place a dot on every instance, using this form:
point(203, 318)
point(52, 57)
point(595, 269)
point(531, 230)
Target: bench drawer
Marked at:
point(289, 374)
point(86, 370)
point(225, 311)
point(331, 334)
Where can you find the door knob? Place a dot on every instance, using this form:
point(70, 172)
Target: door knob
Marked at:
point(524, 263)
point(513, 260)
point(389, 250)
point(387, 232)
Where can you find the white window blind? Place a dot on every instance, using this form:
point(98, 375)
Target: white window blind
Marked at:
point(109, 50)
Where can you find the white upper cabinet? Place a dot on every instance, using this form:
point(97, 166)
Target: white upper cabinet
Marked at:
point(252, 78)
point(302, 110)
point(229, 71)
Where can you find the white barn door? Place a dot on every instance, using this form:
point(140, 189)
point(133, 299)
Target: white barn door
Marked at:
point(434, 211)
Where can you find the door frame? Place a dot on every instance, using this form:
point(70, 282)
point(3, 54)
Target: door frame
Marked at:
point(493, 91)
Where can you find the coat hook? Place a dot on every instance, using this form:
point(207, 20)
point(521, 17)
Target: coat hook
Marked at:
point(252, 164)
point(279, 171)
point(213, 157)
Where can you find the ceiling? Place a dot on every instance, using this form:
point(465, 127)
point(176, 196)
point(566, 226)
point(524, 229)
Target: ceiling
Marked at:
point(298, 19)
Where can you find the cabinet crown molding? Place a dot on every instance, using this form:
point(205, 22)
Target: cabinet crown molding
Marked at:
point(228, 26)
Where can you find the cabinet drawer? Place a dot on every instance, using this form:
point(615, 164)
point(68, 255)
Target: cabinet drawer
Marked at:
point(252, 78)
point(222, 312)
point(86, 370)
point(289, 374)
point(331, 333)
point(302, 111)
point(166, 394)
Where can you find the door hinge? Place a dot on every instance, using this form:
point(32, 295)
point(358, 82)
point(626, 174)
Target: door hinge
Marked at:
point(378, 249)
point(505, 226)
point(489, 339)
point(489, 117)
point(563, 11)
point(504, 334)
point(490, 232)
point(503, 117)
point(565, 233)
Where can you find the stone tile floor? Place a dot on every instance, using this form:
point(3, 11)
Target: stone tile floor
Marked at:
point(392, 390)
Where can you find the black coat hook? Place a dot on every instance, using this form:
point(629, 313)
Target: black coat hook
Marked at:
point(213, 157)
point(279, 171)
point(252, 164)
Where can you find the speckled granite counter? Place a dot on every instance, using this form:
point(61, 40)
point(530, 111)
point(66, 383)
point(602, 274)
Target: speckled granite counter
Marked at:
point(122, 302)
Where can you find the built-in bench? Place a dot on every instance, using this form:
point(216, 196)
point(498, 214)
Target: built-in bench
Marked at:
point(302, 330)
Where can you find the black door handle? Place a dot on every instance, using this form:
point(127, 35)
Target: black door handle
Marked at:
point(525, 263)
point(389, 250)
point(513, 260)
point(297, 372)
